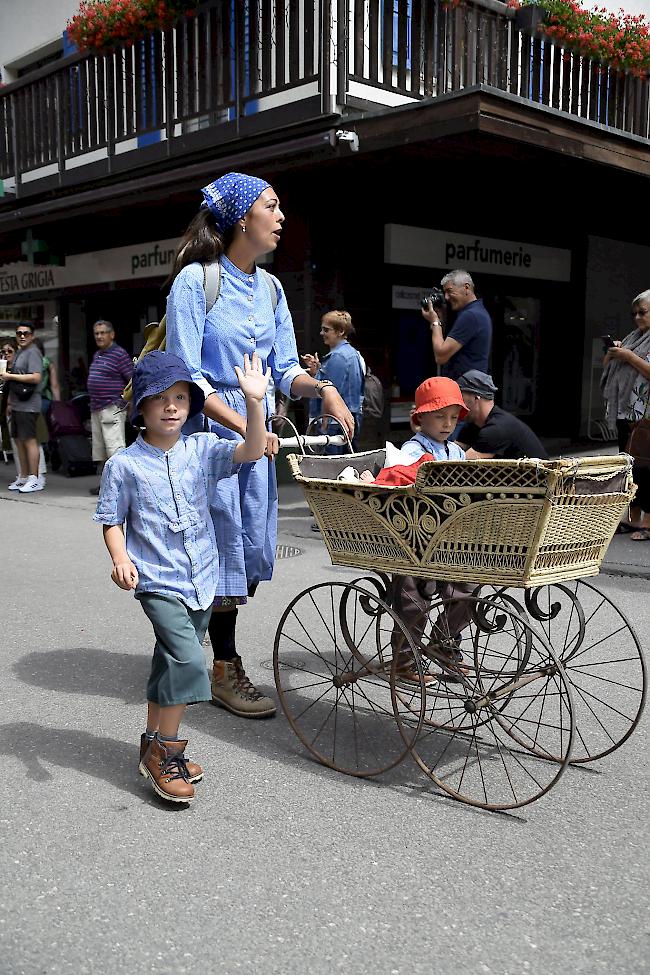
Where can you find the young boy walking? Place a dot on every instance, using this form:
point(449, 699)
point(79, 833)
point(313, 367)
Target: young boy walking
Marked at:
point(161, 488)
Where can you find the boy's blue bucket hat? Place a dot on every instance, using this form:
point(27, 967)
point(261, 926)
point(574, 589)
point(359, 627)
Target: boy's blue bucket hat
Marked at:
point(155, 373)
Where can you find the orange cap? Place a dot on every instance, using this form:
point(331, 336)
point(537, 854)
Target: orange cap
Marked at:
point(436, 393)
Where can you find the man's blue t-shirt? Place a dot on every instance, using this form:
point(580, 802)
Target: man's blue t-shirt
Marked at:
point(473, 329)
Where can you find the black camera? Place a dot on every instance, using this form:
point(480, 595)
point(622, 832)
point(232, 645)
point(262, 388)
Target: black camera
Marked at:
point(437, 299)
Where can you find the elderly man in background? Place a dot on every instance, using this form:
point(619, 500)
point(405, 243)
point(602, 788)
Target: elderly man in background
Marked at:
point(468, 344)
point(490, 431)
point(110, 371)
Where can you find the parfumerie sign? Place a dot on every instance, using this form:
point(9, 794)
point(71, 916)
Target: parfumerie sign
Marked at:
point(421, 247)
point(151, 260)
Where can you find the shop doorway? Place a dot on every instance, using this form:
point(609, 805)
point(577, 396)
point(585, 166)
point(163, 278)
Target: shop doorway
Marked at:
point(129, 311)
point(515, 353)
point(515, 362)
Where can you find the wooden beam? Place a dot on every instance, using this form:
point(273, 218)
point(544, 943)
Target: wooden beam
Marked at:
point(557, 134)
point(495, 113)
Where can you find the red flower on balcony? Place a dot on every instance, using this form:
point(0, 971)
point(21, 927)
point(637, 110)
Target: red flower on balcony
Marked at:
point(103, 25)
point(622, 41)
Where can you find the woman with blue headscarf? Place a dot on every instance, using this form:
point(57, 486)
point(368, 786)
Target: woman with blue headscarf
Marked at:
point(239, 221)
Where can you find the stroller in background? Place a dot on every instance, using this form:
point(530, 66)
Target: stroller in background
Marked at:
point(69, 446)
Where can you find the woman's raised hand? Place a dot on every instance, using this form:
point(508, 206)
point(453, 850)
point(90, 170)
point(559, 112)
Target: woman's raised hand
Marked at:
point(311, 362)
point(253, 381)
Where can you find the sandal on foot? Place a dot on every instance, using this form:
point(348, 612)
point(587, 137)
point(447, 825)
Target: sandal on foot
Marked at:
point(642, 535)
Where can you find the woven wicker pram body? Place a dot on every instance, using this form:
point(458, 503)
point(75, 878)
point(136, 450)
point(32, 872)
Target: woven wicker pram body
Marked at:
point(508, 523)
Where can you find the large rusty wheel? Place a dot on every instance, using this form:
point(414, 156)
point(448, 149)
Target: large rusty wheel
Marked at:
point(498, 732)
point(337, 678)
point(602, 660)
point(444, 708)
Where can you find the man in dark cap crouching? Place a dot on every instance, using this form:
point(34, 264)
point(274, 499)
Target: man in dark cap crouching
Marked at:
point(489, 430)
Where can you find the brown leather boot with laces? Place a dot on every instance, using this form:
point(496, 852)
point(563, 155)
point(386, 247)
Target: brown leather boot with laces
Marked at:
point(194, 771)
point(165, 766)
point(232, 689)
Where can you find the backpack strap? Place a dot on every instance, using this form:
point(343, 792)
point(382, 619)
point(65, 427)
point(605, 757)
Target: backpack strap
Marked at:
point(211, 284)
point(271, 285)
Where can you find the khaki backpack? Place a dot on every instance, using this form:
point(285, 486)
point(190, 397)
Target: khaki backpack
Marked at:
point(155, 333)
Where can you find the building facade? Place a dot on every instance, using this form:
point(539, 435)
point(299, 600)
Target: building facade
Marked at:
point(403, 141)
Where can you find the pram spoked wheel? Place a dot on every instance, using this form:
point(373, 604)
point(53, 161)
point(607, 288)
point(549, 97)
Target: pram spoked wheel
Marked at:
point(601, 657)
point(439, 647)
point(499, 733)
point(337, 678)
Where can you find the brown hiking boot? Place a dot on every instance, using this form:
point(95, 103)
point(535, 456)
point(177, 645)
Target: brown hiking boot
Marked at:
point(446, 652)
point(407, 672)
point(232, 689)
point(165, 766)
point(194, 771)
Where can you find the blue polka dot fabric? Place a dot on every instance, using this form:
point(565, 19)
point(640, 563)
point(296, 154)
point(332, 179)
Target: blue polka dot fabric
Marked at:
point(231, 196)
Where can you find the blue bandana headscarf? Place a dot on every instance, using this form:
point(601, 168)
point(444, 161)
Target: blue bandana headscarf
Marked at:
point(231, 196)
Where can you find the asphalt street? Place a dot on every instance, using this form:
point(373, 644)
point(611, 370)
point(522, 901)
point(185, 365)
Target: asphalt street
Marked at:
point(280, 866)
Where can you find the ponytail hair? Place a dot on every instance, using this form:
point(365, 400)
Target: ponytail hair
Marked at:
point(341, 321)
point(201, 242)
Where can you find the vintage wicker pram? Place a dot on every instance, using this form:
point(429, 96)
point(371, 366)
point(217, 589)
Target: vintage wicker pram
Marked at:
point(551, 674)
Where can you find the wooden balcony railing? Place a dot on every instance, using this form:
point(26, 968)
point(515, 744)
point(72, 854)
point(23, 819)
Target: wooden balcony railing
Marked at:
point(419, 48)
point(253, 65)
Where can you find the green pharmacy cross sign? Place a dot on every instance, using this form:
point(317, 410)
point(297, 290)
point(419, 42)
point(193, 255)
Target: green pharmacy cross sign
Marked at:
point(37, 251)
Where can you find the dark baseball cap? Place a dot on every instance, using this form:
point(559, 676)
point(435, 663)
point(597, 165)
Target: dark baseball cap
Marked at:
point(477, 383)
point(158, 371)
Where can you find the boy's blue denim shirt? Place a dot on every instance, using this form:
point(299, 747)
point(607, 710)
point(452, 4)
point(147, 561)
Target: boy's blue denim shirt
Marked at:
point(163, 498)
point(421, 444)
point(342, 366)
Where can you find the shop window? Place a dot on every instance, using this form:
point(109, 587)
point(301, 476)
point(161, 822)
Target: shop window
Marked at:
point(521, 317)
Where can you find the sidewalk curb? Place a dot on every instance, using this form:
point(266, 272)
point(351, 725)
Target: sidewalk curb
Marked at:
point(629, 571)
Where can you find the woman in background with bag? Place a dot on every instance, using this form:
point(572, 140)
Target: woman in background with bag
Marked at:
point(626, 388)
point(343, 366)
point(25, 406)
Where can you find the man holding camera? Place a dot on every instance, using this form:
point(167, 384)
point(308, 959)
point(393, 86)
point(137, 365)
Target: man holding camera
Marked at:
point(468, 344)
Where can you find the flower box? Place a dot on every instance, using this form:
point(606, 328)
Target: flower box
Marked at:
point(529, 19)
point(620, 41)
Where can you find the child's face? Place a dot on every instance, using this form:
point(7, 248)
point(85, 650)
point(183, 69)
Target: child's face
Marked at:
point(165, 413)
point(441, 424)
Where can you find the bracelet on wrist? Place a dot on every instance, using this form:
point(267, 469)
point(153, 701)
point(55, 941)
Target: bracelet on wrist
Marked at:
point(323, 384)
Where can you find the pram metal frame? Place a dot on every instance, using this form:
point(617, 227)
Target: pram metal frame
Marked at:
point(552, 674)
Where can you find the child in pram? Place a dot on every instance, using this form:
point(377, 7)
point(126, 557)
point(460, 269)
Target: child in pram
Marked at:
point(438, 408)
